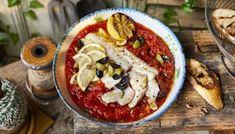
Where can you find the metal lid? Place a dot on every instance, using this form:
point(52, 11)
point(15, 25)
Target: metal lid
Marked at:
point(38, 53)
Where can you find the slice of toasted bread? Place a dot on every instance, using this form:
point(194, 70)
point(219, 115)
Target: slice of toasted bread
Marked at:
point(204, 82)
point(224, 20)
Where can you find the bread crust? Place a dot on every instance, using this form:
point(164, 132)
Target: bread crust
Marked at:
point(212, 94)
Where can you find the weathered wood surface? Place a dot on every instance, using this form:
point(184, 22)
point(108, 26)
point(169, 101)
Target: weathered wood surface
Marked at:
point(179, 117)
point(199, 4)
point(57, 110)
point(194, 20)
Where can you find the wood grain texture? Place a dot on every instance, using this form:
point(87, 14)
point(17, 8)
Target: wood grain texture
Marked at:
point(199, 3)
point(194, 20)
point(179, 117)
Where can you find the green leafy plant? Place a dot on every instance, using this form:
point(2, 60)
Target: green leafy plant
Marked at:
point(7, 36)
point(29, 11)
point(188, 6)
point(170, 15)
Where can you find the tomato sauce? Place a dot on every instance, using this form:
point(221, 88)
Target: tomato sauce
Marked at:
point(90, 100)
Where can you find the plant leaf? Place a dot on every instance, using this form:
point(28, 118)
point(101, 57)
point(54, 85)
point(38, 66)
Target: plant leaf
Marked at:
point(14, 38)
point(188, 6)
point(35, 4)
point(12, 3)
point(31, 14)
point(169, 16)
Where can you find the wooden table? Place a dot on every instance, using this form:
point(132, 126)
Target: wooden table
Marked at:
point(178, 117)
point(198, 44)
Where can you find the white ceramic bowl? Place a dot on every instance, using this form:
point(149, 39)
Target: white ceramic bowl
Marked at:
point(152, 23)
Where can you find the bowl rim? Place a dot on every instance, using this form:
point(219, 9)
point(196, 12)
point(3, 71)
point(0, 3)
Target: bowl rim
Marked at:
point(117, 124)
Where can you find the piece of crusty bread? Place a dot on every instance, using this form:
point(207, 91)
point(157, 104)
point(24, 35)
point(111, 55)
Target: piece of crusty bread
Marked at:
point(224, 20)
point(204, 82)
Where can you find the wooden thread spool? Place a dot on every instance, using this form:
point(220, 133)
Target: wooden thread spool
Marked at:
point(37, 54)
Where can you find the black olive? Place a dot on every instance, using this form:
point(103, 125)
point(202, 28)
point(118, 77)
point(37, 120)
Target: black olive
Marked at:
point(80, 44)
point(142, 40)
point(165, 58)
point(123, 84)
point(103, 60)
point(161, 95)
point(116, 76)
point(99, 73)
point(115, 66)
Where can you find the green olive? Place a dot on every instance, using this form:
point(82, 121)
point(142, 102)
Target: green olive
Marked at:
point(137, 44)
point(100, 66)
point(159, 59)
point(110, 70)
point(118, 71)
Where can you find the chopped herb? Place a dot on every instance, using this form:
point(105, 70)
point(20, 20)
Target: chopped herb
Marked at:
point(98, 19)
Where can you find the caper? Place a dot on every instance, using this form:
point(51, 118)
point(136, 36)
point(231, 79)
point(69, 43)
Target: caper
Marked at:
point(103, 60)
point(136, 44)
point(123, 84)
point(100, 66)
point(114, 65)
point(118, 71)
point(99, 73)
point(165, 58)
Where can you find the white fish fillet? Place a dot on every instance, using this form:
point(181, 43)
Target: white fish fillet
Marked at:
point(152, 92)
point(128, 95)
point(139, 70)
point(139, 84)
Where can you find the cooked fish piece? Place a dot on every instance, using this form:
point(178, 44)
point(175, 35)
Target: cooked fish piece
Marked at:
point(138, 83)
point(128, 95)
point(112, 52)
point(124, 57)
point(112, 96)
point(139, 65)
point(109, 82)
point(152, 92)
point(205, 83)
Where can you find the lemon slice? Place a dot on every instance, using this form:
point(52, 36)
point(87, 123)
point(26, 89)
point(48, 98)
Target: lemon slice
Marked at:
point(91, 47)
point(96, 55)
point(120, 27)
point(85, 76)
point(82, 59)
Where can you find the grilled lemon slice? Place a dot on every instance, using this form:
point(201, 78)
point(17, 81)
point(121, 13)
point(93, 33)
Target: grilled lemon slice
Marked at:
point(120, 27)
point(82, 59)
point(85, 76)
point(96, 55)
point(91, 47)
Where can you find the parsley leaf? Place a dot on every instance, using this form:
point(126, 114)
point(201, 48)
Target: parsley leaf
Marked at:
point(188, 6)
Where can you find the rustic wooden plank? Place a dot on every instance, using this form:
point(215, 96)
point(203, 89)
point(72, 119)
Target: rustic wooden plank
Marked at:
point(203, 40)
point(179, 117)
point(194, 20)
point(199, 3)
